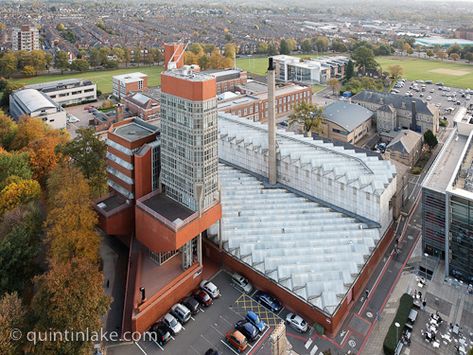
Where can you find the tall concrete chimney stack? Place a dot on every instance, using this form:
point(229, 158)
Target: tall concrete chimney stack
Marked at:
point(272, 168)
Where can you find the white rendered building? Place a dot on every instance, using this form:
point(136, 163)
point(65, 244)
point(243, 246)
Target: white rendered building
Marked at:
point(68, 92)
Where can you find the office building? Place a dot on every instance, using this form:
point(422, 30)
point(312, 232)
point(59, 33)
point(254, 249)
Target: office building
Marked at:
point(394, 112)
point(123, 85)
point(143, 104)
point(68, 92)
point(33, 103)
point(447, 205)
point(309, 71)
point(25, 38)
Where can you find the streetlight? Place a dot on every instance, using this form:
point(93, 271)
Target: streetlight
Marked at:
point(397, 331)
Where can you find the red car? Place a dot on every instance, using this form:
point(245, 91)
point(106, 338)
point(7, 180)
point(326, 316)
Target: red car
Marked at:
point(237, 340)
point(203, 298)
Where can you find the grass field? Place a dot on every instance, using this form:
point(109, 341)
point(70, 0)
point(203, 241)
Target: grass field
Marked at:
point(451, 74)
point(103, 79)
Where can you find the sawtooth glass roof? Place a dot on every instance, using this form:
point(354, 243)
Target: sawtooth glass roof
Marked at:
point(309, 249)
point(356, 169)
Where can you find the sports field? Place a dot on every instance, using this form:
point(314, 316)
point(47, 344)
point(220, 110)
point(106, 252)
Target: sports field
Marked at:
point(103, 79)
point(451, 74)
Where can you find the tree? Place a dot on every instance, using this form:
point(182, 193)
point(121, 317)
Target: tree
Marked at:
point(442, 55)
point(156, 55)
point(355, 85)
point(204, 62)
point(71, 221)
point(272, 49)
point(334, 84)
point(322, 42)
point(229, 51)
point(12, 316)
point(383, 49)
point(429, 53)
point(215, 60)
point(309, 116)
point(338, 46)
point(469, 57)
point(454, 48)
point(283, 47)
point(69, 296)
point(228, 37)
point(8, 64)
point(350, 70)
point(19, 247)
point(455, 56)
point(60, 27)
point(7, 131)
point(80, 65)
point(395, 71)
point(364, 59)
point(306, 46)
point(18, 193)
point(262, 48)
point(87, 152)
point(61, 61)
point(197, 49)
point(29, 70)
point(291, 44)
point(430, 139)
point(7, 91)
point(14, 164)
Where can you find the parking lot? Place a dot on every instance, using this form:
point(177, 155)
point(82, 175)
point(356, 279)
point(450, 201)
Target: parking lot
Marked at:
point(207, 328)
point(439, 96)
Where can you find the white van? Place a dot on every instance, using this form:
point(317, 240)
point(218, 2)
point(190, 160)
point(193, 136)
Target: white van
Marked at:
point(242, 283)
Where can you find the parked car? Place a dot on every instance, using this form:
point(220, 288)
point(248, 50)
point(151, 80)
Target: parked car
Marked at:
point(428, 98)
point(172, 323)
point(242, 283)
point(268, 301)
point(254, 319)
point(203, 298)
point(210, 288)
point(191, 304)
point(297, 322)
point(163, 333)
point(181, 312)
point(247, 329)
point(212, 352)
point(237, 340)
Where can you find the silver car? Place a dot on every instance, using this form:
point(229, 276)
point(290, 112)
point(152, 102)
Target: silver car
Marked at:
point(172, 323)
point(297, 322)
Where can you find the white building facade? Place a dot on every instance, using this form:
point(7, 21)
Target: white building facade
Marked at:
point(68, 92)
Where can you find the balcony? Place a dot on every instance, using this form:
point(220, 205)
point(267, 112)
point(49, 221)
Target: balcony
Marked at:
point(163, 224)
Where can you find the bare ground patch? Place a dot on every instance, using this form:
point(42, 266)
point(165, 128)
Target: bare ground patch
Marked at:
point(453, 72)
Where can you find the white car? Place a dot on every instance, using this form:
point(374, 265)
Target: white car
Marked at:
point(210, 288)
point(172, 323)
point(428, 98)
point(72, 119)
point(242, 283)
point(297, 322)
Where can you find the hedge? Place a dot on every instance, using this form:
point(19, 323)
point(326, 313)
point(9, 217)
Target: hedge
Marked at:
point(390, 342)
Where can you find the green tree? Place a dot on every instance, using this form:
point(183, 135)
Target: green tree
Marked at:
point(262, 48)
point(29, 70)
point(204, 62)
point(338, 46)
point(7, 132)
point(60, 27)
point(383, 49)
point(9, 88)
point(196, 48)
point(469, 57)
point(119, 53)
point(350, 70)
point(291, 44)
point(156, 54)
point(364, 59)
point(12, 316)
point(454, 48)
point(455, 56)
point(334, 84)
point(80, 65)
point(306, 46)
point(61, 61)
point(429, 53)
point(395, 71)
point(14, 164)
point(69, 296)
point(322, 42)
point(308, 116)
point(8, 64)
point(283, 47)
point(272, 49)
point(19, 247)
point(87, 152)
point(430, 139)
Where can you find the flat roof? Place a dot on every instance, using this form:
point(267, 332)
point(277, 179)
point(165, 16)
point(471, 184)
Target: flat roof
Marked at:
point(129, 77)
point(442, 169)
point(58, 83)
point(189, 74)
point(112, 202)
point(311, 250)
point(167, 207)
point(134, 130)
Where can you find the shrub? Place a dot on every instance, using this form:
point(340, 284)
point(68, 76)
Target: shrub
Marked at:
point(390, 342)
point(416, 170)
point(443, 123)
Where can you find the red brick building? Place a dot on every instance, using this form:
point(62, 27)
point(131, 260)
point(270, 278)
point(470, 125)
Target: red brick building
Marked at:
point(144, 105)
point(123, 85)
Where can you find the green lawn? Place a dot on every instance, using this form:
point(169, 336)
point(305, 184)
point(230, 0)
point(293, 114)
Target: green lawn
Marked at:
point(451, 74)
point(103, 79)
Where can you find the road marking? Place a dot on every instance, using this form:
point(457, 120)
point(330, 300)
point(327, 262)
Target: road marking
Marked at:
point(194, 349)
point(228, 346)
point(308, 343)
point(183, 327)
point(224, 319)
point(139, 347)
point(314, 349)
point(207, 340)
point(173, 338)
point(158, 345)
point(192, 318)
point(201, 310)
point(218, 331)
